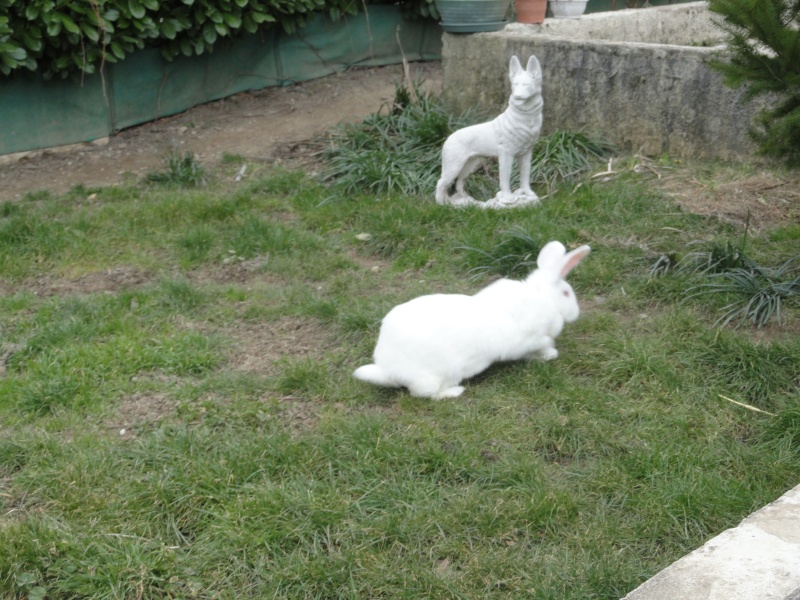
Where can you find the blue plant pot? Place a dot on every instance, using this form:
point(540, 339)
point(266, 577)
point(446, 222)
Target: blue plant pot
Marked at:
point(470, 16)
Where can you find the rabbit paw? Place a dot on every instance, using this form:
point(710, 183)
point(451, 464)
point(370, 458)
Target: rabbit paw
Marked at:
point(545, 354)
point(451, 392)
point(461, 201)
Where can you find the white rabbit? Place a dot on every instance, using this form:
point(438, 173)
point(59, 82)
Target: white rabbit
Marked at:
point(431, 343)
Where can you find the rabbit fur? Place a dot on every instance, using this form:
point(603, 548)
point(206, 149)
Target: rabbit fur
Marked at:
point(431, 343)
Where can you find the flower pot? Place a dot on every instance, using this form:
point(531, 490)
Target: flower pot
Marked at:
point(530, 11)
point(468, 16)
point(567, 9)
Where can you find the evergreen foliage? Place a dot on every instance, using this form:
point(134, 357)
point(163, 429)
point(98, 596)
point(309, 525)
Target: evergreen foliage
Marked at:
point(764, 55)
point(59, 38)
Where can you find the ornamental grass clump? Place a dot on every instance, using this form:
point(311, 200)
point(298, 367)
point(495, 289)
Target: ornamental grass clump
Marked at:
point(513, 256)
point(400, 151)
point(759, 292)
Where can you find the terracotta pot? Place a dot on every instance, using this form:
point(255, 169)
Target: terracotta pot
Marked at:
point(530, 11)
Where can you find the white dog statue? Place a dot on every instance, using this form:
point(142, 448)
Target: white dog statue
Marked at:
point(509, 136)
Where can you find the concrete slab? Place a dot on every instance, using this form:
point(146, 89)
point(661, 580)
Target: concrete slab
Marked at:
point(757, 560)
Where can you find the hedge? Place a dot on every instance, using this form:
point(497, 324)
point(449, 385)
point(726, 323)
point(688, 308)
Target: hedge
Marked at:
point(73, 37)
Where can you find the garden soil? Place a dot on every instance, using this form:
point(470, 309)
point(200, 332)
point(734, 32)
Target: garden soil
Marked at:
point(269, 126)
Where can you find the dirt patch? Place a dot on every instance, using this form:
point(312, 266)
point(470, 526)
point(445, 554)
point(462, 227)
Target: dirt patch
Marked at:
point(259, 346)
point(764, 199)
point(298, 415)
point(140, 410)
point(234, 269)
point(109, 280)
point(270, 125)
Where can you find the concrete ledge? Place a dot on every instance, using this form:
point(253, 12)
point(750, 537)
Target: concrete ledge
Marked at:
point(758, 560)
point(689, 24)
point(605, 73)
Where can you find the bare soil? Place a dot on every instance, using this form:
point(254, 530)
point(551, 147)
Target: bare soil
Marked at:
point(265, 126)
point(760, 200)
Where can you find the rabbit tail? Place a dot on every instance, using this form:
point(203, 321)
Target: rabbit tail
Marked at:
point(424, 387)
point(375, 375)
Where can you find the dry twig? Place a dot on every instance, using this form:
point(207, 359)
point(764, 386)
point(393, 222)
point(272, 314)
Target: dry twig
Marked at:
point(747, 406)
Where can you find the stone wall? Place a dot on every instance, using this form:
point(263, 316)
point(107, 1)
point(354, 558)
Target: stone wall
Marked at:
point(604, 74)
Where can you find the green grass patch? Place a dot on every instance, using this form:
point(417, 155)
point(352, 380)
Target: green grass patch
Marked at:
point(253, 465)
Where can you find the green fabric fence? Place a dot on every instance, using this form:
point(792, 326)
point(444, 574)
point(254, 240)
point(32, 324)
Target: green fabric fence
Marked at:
point(39, 114)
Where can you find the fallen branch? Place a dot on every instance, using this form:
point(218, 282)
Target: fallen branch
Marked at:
point(607, 172)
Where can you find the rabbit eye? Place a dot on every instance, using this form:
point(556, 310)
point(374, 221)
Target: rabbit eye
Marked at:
point(566, 293)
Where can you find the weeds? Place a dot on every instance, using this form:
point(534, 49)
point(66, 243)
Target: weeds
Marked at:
point(715, 258)
point(726, 269)
point(564, 156)
point(182, 170)
point(513, 256)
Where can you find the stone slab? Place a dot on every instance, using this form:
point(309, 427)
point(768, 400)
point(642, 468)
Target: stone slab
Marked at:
point(758, 560)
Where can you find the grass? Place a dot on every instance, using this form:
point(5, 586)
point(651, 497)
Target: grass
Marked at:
point(253, 465)
point(723, 268)
point(761, 292)
point(183, 170)
point(399, 151)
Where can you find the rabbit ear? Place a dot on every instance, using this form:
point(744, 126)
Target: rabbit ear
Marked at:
point(572, 259)
point(554, 258)
point(551, 256)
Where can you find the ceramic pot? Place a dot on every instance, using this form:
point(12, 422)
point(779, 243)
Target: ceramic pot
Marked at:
point(469, 16)
point(530, 11)
point(567, 9)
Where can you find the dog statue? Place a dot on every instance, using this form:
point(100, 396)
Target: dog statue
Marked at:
point(509, 136)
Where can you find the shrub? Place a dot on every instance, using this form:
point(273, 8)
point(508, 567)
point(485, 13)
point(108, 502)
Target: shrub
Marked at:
point(60, 38)
point(764, 51)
